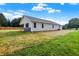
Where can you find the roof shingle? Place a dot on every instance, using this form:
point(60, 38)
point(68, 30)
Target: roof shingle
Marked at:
point(34, 19)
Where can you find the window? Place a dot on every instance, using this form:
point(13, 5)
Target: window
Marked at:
point(52, 26)
point(27, 25)
point(34, 25)
point(42, 25)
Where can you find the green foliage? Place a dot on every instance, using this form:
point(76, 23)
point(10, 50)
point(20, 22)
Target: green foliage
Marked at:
point(73, 23)
point(15, 22)
point(6, 23)
point(65, 26)
point(67, 45)
point(3, 20)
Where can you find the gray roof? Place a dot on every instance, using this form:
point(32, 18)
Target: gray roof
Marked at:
point(34, 19)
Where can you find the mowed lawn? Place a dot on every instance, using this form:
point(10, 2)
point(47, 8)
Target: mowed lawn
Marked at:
point(65, 42)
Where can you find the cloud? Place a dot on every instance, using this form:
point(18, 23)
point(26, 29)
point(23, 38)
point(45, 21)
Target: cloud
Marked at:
point(50, 10)
point(42, 4)
point(61, 22)
point(59, 11)
point(10, 14)
point(39, 7)
point(44, 7)
point(61, 3)
point(69, 3)
point(2, 3)
point(73, 3)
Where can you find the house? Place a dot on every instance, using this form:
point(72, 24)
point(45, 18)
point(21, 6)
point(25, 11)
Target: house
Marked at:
point(36, 24)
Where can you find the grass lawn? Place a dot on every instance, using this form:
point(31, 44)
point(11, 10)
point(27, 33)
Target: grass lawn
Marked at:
point(39, 43)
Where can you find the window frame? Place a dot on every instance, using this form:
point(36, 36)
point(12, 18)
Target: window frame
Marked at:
point(34, 24)
point(27, 25)
point(42, 25)
point(52, 26)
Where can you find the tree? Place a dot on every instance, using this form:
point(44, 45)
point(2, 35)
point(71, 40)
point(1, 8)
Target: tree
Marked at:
point(65, 26)
point(15, 22)
point(8, 23)
point(74, 23)
point(3, 20)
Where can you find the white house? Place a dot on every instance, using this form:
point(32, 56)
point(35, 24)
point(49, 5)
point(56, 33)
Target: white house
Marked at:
point(36, 24)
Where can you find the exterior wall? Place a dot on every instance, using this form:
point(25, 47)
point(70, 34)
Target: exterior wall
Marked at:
point(61, 27)
point(46, 27)
point(39, 25)
point(24, 21)
point(56, 27)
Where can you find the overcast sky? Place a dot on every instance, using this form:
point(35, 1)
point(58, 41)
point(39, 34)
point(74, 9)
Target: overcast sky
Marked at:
point(60, 13)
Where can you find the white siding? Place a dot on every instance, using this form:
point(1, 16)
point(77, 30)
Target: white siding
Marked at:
point(46, 27)
point(39, 25)
point(24, 21)
point(56, 27)
point(61, 27)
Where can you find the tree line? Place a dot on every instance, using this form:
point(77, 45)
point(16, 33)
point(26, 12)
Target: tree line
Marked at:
point(7, 23)
point(73, 23)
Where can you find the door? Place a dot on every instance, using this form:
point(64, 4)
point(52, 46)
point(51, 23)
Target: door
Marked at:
point(27, 25)
point(27, 28)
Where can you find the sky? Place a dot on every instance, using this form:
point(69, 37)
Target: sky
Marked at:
point(60, 13)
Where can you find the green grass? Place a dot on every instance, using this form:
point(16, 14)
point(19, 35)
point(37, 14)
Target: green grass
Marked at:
point(67, 45)
point(11, 41)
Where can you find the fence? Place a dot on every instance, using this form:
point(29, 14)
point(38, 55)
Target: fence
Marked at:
point(10, 28)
